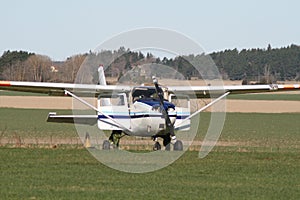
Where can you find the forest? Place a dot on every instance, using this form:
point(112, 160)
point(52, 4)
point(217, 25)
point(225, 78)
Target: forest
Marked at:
point(255, 66)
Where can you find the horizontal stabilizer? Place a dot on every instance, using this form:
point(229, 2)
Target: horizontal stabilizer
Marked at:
point(78, 119)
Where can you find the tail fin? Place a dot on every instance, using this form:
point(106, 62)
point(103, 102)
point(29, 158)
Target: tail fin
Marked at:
point(102, 81)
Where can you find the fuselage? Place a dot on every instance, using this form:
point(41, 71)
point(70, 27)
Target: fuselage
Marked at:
point(147, 118)
point(140, 112)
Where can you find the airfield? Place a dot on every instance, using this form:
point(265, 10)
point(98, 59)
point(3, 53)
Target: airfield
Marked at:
point(256, 157)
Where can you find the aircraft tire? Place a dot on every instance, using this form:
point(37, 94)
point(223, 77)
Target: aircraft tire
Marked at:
point(157, 146)
point(178, 146)
point(168, 147)
point(106, 145)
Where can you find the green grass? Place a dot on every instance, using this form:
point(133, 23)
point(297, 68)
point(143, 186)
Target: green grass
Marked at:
point(268, 96)
point(276, 131)
point(16, 93)
point(75, 174)
point(32, 123)
point(265, 165)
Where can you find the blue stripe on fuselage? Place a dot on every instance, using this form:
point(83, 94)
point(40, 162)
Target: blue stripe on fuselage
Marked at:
point(156, 103)
point(140, 116)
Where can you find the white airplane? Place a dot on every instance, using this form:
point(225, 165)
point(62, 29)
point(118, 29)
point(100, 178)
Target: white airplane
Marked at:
point(145, 111)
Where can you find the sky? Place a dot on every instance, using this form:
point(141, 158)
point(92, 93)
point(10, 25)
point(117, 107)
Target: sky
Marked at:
point(60, 29)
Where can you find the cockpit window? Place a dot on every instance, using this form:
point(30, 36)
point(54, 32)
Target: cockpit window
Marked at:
point(144, 93)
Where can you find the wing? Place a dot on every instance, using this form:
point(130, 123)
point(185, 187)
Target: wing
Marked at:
point(61, 89)
point(215, 91)
point(58, 89)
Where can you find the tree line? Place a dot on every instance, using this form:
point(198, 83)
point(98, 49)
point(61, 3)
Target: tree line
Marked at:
point(250, 65)
point(263, 65)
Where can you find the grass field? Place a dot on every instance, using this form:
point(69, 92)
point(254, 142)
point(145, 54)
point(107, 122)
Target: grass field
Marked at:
point(261, 130)
point(267, 96)
point(32, 123)
point(262, 163)
point(14, 93)
point(75, 174)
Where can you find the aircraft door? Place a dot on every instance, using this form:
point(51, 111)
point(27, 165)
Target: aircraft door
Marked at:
point(117, 109)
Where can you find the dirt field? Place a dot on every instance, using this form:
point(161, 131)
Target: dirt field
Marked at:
point(245, 106)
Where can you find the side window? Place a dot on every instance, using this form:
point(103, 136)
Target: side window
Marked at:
point(115, 100)
point(121, 101)
point(180, 101)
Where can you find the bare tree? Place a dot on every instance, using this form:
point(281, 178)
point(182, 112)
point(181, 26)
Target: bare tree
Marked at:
point(38, 68)
point(71, 67)
point(15, 71)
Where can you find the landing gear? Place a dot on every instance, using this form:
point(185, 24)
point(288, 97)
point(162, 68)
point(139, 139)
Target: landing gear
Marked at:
point(168, 147)
point(106, 145)
point(114, 140)
point(115, 137)
point(167, 142)
point(157, 146)
point(178, 146)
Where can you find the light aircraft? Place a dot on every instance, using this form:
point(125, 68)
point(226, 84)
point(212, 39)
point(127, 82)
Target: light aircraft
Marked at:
point(145, 111)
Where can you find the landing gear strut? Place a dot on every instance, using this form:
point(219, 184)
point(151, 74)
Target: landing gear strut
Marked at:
point(156, 146)
point(167, 142)
point(114, 140)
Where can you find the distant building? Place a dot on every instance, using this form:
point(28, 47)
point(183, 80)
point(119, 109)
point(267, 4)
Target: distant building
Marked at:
point(53, 69)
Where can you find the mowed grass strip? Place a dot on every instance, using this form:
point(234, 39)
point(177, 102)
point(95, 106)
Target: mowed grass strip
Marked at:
point(16, 93)
point(280, 131)
point(75, 174)
point(276, 131)
point(32, 123)
point(267, 97)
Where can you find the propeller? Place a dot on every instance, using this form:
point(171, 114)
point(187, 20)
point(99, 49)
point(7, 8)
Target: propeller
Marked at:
point(164, 111)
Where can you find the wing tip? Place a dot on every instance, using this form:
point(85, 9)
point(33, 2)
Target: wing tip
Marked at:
point(5, 83)
point(291, 86)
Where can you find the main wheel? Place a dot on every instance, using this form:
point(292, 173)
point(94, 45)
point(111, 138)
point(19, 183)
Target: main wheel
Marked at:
point(157, 146)
point(106, 145)
point(178, 146)
point(168, 147)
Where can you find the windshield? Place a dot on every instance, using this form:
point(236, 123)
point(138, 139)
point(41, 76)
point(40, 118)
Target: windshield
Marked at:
point(144, 93)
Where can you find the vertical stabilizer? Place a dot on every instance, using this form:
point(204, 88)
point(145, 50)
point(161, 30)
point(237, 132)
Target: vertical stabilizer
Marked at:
point(102, 81)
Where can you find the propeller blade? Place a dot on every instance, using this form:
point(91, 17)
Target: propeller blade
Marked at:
point(165, 113)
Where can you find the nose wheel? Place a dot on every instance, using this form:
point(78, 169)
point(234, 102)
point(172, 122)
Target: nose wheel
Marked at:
point(168, 142)
point(156, 146)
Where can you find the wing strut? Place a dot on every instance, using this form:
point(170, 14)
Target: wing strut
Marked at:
point(203, 108)
point(126, 130)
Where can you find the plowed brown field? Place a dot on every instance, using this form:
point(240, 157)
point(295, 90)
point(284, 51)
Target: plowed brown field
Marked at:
point(248, 106)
